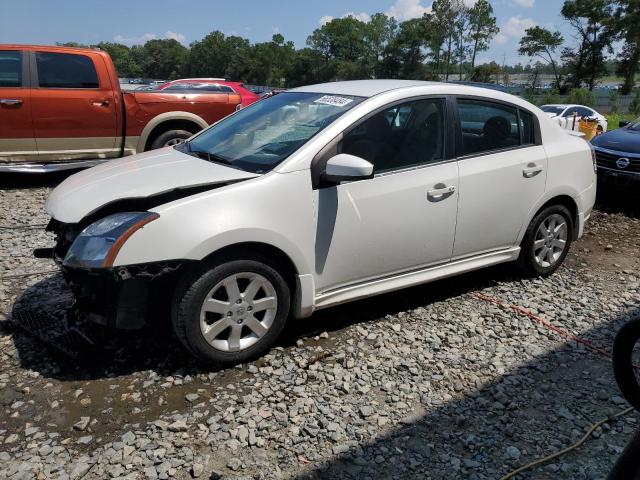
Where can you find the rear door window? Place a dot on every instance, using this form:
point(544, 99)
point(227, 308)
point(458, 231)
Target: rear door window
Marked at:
point(10, 68)
point(65, 70)
point(527, 128)
point(487, 126)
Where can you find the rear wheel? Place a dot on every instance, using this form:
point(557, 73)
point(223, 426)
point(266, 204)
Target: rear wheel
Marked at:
point(233, 312)
point(546, 242)
point(170, 138)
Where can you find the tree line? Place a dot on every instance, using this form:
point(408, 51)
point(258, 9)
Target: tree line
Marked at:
point(442, 43)
point(597, 26)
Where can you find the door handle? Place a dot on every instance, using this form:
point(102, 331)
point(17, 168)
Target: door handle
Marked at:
point(440, 192)
point(100, 103)
point(531, 171)
point(11, 101)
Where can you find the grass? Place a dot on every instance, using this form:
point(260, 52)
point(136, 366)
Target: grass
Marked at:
point(613, 119)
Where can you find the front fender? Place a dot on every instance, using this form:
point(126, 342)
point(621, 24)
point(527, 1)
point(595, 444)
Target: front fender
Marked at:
point(273, 209)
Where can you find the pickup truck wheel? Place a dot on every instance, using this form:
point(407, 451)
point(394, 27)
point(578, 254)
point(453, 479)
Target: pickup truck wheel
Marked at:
point(233, 312)
point(546, 242)
point(170, 137)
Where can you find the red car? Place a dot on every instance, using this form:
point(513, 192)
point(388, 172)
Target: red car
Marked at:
point(247, 96)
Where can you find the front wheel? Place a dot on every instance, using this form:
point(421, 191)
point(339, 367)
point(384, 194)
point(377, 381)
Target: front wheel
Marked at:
point(233, 312)
point(546, 242)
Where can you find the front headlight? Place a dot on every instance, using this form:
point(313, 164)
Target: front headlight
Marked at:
point(98, 244)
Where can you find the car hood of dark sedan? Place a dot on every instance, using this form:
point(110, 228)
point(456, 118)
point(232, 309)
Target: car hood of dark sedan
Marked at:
point(620, 140)
point(139, 176)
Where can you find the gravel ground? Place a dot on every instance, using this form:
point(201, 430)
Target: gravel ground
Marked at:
point(429, 382)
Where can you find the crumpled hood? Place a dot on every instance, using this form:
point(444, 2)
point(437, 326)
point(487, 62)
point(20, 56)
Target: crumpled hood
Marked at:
point(134, 177)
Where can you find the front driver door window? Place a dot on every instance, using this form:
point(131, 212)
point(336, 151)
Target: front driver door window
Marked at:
point(402, 219)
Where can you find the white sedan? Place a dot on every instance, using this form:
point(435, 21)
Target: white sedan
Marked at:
point(366, 187)
point(564, 114)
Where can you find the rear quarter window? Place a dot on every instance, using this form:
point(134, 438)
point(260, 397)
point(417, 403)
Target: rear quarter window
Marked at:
point(65, 70)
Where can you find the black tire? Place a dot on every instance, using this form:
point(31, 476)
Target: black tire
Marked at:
point(622, 357)
point(527, 260)
point(165, 137)
point(192, 293)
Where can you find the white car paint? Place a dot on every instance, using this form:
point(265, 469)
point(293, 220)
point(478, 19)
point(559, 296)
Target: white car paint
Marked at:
point(566, 121)
point(358, 238)
point(139, 176)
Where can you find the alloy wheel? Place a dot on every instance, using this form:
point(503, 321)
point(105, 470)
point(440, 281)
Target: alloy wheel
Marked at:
point(238, 311)
point(551, 240)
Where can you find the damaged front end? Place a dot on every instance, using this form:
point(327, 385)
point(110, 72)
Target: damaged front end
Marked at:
point(124, 297)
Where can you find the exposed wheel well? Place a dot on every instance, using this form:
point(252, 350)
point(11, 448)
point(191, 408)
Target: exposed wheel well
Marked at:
point(262, 252)
point(570, 204)
point(170, 125)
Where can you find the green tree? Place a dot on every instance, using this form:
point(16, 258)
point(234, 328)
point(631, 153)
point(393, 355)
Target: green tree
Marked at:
point(592, 22)
point(270, 62)
point(482, 28)
point(73, 45)
point(447, 18)
point(405, 54)
point(462, 49)
point(165, 59)
point(379, 32)
point(542, 43)
point(308, 67)
point(627, 17)
point(342, 43)
point(581, 96)
point(122, 58)
point(219, 56)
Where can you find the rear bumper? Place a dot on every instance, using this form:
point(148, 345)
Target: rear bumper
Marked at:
point(586, 200)
point(123, 297)
point(49, 167)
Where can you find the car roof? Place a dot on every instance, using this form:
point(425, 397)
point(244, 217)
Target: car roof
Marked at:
point(361, 88)
point(371, 88)
point(565, 105)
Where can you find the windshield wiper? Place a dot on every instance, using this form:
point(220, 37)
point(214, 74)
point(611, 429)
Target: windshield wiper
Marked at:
point(211, 157)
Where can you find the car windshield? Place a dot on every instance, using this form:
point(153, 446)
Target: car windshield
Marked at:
point(261, 136)
point(552, 109)
point(635, 125)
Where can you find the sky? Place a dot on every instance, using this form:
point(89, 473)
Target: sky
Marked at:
point(135, 21)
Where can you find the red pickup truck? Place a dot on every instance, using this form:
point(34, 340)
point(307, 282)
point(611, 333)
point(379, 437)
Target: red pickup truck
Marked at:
point(63, 108)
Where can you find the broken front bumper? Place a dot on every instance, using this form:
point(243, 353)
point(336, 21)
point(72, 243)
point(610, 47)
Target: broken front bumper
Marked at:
point(123, 297)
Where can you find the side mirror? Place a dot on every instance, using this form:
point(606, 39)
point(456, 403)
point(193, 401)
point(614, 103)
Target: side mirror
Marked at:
point(347, 168)
point(623, 123)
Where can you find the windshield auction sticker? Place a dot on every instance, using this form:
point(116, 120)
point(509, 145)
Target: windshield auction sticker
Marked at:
point(335, 101)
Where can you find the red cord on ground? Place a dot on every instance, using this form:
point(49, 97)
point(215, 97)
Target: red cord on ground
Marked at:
point(543, 322)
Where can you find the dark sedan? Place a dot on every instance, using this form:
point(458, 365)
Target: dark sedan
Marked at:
point(618, 154)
